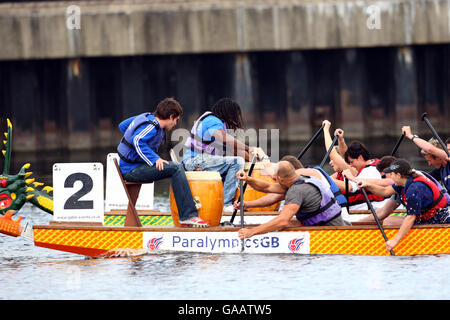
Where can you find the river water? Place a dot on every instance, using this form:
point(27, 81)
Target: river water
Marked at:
point(33, 273)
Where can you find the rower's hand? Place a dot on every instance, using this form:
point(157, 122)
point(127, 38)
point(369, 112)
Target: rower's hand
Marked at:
point(237, 205)
point(391, 244)
point(244, 233)
point(362, 184)
point(339, 132)
point(406, 130)
point(160, 164)
point(241, 175)
point(348, 174)
point(258, 152)
point(326, 124)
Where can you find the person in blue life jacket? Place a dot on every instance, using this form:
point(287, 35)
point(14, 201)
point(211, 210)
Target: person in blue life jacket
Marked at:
point(425, 200)
point(140, 162)
point(307, 199)
point(390, 218)
point(210, 147)
point(434, 154)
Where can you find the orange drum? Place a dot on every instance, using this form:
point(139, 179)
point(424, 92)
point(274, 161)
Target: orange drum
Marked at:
point(251, 194)
point(207, 191)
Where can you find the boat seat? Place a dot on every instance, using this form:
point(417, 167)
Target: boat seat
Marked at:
point(132, 190)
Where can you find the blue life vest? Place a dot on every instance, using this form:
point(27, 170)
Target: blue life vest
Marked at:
point(445, 175)
point(197, 144)
point(340, 198)
point(125, 149)
point(329, 208)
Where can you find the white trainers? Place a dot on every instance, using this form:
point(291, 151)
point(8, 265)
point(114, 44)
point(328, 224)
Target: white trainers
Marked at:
point(228, 208)
point(194, 222)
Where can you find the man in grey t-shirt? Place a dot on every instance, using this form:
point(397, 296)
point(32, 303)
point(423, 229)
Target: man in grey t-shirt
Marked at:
point(300, 198)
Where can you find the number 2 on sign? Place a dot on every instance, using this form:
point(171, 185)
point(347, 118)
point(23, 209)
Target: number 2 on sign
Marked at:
point(78, 192)
point(74, 201)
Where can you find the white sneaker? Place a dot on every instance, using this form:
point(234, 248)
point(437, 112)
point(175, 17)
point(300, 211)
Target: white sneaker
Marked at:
point(228, 208)
point(194, 222)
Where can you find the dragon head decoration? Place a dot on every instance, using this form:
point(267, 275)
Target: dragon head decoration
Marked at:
point(16, 190)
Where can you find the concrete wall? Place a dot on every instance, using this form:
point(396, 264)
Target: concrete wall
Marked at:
point(77, 104)
point(138, 27)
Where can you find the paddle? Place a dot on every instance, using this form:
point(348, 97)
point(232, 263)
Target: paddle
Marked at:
point(310, 143)
point(329, 151)
point(346, 194)
point(241, 199)
point(399, 141)
point(376, 218)
point(250, 171)
point(424, 118)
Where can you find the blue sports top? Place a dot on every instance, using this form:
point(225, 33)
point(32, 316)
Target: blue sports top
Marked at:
point(142, 139)
point(205, 130)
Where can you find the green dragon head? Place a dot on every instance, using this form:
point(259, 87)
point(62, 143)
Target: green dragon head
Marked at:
point(16, 190)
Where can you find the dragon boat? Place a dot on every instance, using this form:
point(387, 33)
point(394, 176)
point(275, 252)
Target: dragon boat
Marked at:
point(77, 229)
point(98, 240)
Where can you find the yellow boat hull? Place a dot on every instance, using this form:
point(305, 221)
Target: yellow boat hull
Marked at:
point(99, 241)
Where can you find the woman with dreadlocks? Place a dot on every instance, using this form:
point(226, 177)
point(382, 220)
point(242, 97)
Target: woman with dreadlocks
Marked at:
point(206, 148)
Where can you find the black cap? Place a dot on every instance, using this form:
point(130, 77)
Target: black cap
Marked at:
point(399, 166)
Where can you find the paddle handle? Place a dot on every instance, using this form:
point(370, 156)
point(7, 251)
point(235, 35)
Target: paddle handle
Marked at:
point(376, 219)
point(347, 190)
point(300, 155)
point(329, 151)
point(399, 141)
point(241, 199)
point(242, 188)
point(424, 118)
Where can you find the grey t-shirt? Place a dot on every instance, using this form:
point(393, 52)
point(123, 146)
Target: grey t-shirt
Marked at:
point(306, 195)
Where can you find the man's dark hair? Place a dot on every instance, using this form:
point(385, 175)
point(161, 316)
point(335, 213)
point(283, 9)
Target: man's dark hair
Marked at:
point(293, 160)
point(385, 162)
point(447, 141)
point(168, 107)
point(355, 150)
point(229, 111)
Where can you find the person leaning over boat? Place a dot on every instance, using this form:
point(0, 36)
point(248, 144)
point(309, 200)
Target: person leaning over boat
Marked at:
point(139, 161)
point(271, 198)
point(307, 198)
point(425, 200)
point(387, 210)
point(206, 148)
point(434, 154)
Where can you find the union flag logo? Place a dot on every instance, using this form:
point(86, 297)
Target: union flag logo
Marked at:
point(295, 244)
point(153, 244)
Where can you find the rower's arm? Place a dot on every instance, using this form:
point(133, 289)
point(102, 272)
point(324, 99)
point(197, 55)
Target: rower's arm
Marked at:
point(407, 224)
point(239, 148)
point(264, 186)
point(424, 145)
point(265, 201)
point(429, 148)
point(379, 182)
point(334, 155)
point(339, 183)
point(378, 190)
point(279, 222)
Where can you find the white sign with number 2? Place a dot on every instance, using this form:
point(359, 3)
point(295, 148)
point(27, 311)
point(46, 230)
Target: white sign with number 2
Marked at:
point(78, 192)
